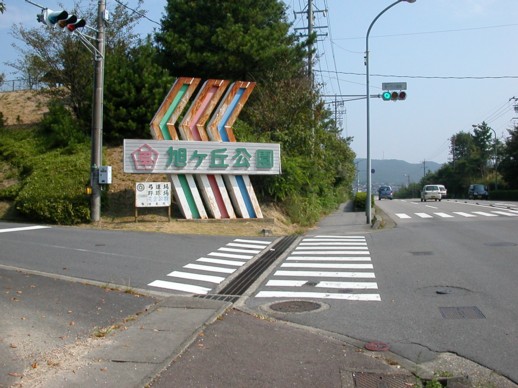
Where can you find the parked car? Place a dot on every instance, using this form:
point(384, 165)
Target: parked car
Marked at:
point(443, 191)
point(385, 192)
point(430, 192)
point(478, 191)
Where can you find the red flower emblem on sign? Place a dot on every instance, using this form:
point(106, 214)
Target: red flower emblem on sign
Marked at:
point(144, 157)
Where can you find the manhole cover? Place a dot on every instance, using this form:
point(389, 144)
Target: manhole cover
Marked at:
point(377, 346)
point(443, 290)
point(295, 306)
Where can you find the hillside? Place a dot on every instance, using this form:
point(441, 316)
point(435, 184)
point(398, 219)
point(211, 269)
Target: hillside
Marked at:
point(22, 107)
point(395, 172)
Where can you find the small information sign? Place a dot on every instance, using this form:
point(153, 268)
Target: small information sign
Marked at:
point(153, 194)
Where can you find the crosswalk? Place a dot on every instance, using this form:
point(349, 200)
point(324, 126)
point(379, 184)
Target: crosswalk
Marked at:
point(325, 267)
point(473, 214)
point(206, 273)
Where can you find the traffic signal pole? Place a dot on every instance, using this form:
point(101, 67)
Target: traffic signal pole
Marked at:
point(97, 116)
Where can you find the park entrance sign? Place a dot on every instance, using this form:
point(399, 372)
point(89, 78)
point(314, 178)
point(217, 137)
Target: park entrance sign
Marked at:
point(208, 169)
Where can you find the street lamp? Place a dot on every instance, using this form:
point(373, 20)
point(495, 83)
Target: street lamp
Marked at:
point(369, 172)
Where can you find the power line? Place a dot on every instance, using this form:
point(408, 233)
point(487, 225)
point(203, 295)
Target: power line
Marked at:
point(432, 77)
point(435, 32)
point(137, 12)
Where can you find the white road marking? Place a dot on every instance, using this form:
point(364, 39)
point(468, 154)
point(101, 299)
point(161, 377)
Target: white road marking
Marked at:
point(230, 255)
point(328, 244)
point(423, 215)
point(505, 213)
point(402, 215)
point(209, 268)
point(465, 214)
point(180, 287)
point(326, 265)
point(319, 295)
point(195, 276)
point(331, 253)
point(24, 228)
point(235, 250)
point(338, 258)
point(219, 261)
point(326, 274)
point(485, 214)
point(444, 215)
point(300, 283)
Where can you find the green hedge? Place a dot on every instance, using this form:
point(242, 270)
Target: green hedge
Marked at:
point(504, 195)
point(54, 191)
point(360, 200)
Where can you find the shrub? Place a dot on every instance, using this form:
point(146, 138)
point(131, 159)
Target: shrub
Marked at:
point(54, 193)
point(360, 199)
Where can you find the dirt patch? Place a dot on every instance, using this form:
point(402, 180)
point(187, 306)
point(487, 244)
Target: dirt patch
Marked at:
point(23, 107)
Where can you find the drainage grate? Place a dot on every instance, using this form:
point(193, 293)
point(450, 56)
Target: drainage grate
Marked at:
point(382, 380)
point(245, 279)
point(466, 312)
point(224, 298)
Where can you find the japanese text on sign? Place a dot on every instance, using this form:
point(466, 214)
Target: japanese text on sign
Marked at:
point(152, 194)
point(198, 157)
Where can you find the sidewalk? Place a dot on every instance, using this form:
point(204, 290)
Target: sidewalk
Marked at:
point(185, 341)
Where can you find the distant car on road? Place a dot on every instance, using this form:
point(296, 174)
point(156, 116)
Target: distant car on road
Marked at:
point(385, 192)
point(430, 192)
point(478, 191)
point(443, 191)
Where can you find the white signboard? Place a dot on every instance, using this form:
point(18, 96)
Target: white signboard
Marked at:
point(200, 157)
point(152, 194)
point(393, 85)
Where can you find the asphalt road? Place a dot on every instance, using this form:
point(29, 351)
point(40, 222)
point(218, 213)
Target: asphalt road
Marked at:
point(446, 282)
point(439, 281)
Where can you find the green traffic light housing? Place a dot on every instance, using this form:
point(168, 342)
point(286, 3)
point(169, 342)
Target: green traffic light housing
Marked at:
point(393, 96)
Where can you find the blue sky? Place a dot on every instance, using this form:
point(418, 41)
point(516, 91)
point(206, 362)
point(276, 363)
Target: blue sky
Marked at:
point(456, 56)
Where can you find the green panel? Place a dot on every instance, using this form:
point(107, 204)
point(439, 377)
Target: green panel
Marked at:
point(188, 196)
point(170, 111)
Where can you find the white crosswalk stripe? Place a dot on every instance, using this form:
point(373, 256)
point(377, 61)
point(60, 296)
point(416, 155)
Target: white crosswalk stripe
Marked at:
point(199, 277)
point(308, 271)
point(492, 213)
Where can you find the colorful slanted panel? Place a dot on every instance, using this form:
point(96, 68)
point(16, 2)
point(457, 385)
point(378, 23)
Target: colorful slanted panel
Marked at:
point(192, 127)
point(220, 129)
point(220, 204)
point(163, 128)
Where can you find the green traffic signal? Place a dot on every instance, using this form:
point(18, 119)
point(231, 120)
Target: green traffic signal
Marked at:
point(393, 96)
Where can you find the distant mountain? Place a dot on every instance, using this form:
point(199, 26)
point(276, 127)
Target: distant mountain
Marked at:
point(394, 172)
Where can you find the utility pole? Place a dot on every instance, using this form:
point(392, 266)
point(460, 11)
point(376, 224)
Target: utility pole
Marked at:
point(97, 116)
point(310, 14)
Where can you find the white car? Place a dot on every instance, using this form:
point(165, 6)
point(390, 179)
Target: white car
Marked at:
point(430, 192)
point(443, 191)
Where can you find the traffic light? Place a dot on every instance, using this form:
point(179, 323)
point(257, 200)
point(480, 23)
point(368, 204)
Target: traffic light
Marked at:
point(393, 96)
point(61, 18)
point(50, 17)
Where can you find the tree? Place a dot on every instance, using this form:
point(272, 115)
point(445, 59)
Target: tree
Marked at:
point(2, 7)
point(509, 165)
point(238, 40)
